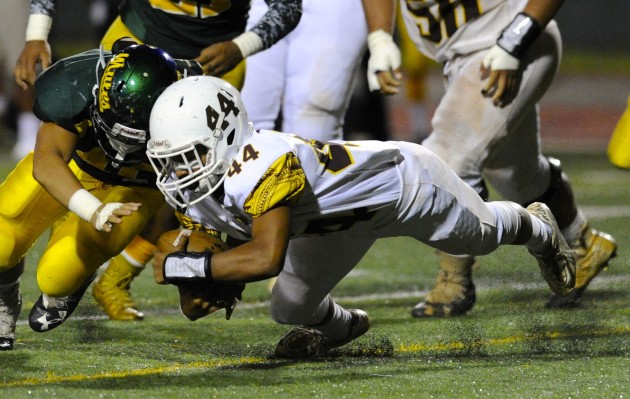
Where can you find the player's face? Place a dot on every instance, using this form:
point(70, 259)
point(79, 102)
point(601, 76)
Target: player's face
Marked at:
point(193, 164)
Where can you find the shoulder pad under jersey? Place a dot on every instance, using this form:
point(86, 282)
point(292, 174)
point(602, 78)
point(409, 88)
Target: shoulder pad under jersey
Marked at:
point(63, 92)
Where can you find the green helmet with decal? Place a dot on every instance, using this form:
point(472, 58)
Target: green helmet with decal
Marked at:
point(130, 83)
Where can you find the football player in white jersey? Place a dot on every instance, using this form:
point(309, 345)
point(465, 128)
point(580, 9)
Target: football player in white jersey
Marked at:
point(499, 58)
point(331, 200)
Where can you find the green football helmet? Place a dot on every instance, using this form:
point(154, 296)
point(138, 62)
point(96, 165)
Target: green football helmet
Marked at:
point(130, 83)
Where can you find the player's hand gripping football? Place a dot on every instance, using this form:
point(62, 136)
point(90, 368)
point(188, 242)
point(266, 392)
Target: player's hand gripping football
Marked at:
point(198, 296)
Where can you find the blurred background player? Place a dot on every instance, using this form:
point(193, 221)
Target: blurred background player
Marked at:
point(212, 33)
point(487, 129)
point(619, 145)
point(303, 84)
point(89, 158)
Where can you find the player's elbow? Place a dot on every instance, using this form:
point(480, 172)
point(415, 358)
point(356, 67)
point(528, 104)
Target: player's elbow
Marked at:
point(271, 266)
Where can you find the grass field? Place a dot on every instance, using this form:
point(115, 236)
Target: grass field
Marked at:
point(509, 346)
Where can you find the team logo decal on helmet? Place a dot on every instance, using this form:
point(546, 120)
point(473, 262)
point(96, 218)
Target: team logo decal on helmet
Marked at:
point(130, 84)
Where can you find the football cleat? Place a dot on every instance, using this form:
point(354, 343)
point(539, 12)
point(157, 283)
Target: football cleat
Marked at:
point(303, 342)
point(10, 306)
point(454, 292)
point(6, 344)
point(557, 264)
point(111, 291)
point(48, 312)
point(592, 252)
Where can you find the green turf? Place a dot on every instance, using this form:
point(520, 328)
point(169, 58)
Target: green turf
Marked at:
point(509, 346)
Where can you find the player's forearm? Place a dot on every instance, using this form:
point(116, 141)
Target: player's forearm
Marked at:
point(280, 19)
point(53, 150)
point(245, 263)
point(263, 256)
point(380, 14)
point(54, 175)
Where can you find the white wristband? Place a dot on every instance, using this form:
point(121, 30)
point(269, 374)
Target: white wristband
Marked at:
point(249, 43)
point(84, 204)
point(185, 266)
point(38, 27)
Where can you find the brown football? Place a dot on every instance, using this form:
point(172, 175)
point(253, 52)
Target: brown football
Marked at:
point(198, 241)
point(197, 299)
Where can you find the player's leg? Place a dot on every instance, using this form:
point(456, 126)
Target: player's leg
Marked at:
point(461, 145)
point(76, 250)
point(26, 211)
point(326, 49)
point(468, 150)
point(263, 89)
point(446, 213)
point(593, 249)
point(314, 265)
point(532, 177)
point(112, 289)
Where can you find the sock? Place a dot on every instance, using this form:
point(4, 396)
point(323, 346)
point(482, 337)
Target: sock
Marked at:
point(336, 324)
point(138, 252)
point(573, 232)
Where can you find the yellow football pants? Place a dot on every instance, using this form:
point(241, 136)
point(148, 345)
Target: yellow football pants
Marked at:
point(236, 77)
point(619, 145)
point(75, 250)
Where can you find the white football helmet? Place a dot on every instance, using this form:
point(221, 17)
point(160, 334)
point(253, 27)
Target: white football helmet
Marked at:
point(197, 125)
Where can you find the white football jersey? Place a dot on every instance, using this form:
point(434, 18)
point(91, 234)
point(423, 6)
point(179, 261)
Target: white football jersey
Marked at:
point(332, 186)
point(442, 29)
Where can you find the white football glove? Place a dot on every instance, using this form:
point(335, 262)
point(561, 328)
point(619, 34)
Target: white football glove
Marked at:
point(384, 56)
point(499, 59)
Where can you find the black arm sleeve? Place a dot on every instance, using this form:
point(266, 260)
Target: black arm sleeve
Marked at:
point(281, 18)
point(46, 7)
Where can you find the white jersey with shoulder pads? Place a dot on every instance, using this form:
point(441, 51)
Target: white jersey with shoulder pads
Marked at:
point(442, 29)
point(346, 182)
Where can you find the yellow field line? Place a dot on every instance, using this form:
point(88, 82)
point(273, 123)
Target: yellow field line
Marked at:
point(511, 340)
point(53, 379)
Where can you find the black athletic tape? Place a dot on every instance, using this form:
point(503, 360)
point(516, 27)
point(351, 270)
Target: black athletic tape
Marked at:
point(519, 35)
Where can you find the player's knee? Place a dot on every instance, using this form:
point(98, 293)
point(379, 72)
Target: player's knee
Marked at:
point(289, 308)
point(60, 284)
